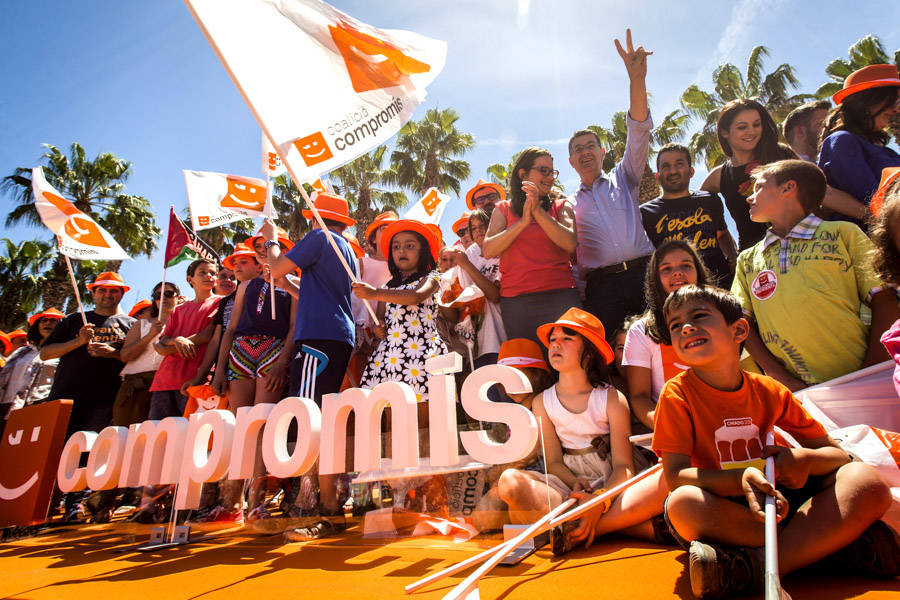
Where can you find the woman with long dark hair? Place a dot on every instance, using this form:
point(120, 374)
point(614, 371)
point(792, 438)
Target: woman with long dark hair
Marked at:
point(26, 379)
point(854, 140)
point(533, 235)
point(749, 138)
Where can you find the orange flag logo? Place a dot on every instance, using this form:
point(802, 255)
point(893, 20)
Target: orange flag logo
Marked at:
point(313, 149)
point(244, 194)
point(78, 227)
point(431, 201)
point(372, 63)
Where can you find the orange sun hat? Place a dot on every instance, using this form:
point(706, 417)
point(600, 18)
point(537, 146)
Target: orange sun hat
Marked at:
point(18, 333)
point(351, 239)
point(521, 353)
point(280, 234)
point(461, 222)
point(483, 184)
point(109, 279)
point(241, 249)
point(50, 313)
point(331, 206)
point(431, 233)
point(584, 323)
point(139, 306)
point(5, 339)
point(888, 176)
point(382, 219)
point(869, 77)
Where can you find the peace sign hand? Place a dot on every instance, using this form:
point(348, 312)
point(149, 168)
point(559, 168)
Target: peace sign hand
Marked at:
point(635, 59)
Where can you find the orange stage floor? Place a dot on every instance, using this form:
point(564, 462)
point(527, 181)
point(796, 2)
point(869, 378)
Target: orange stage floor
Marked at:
point(88, 562)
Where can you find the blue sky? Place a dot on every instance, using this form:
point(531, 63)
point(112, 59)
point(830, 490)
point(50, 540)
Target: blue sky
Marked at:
point(138, 78)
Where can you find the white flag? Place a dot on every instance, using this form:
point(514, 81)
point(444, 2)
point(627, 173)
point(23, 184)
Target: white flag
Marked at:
point(326, 87)
point(271, 162)
point(216, 199)
point(78, 235)
point(429, 208)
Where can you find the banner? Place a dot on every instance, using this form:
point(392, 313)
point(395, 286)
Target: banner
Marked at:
point(183, 244)
point(216, 199)
point(77, 234)
point(429, 208)
point(271, 162)
point(326, 87)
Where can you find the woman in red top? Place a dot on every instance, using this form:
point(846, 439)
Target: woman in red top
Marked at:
point(533, 234)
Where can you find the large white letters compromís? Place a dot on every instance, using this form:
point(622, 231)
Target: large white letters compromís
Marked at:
point(157, 446)
point(69, 476)
point(367, 407)
point(523, 428)
point(202, 463)
point(442, 443)
point(249, 423)
point(105, 460)
point(278, 461)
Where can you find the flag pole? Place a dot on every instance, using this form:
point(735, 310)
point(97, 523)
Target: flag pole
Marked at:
point(75, 289)
point(162, 286)
point(271, 206)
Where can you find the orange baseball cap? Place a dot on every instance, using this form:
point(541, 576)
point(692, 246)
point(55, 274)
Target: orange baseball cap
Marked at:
point(431, 233)
point(50, 313)
point(584, 323)
point(483, 184)
point(521, 353)
point(139, 306)
point(241, 249)
point(382, 219)
point(351, 239)
point(331, 206)
point(888, 176)
point(869, 77)
point(461, 222)
point(109, 279)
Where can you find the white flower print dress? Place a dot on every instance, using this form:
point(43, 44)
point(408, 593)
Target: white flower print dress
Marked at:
point(411, 338)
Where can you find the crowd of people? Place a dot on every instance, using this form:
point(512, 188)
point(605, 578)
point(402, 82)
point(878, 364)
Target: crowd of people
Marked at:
point(625, 318)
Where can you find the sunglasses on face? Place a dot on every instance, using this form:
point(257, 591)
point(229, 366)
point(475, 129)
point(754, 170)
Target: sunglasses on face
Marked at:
point(167, 294)
point(545, 171)
point(485, 198)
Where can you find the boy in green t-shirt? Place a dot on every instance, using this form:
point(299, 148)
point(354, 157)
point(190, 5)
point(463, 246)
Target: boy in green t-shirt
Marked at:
point(805, 282)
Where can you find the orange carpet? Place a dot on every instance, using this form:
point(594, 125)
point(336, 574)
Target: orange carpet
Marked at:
point(97, 562)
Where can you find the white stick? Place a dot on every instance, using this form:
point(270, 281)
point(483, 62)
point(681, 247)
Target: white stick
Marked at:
point(471, 582)
point(773, 583)
point(572, 514)
point(75, 288)
point(271, 276)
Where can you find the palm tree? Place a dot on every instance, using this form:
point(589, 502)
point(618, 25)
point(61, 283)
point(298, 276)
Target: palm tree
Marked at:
point(20, 271)
point(96, 187)
point(771, 90)
point(289, 205)
point(361, 182)
point(425, 153)
point(670, 129)
point(867, 51)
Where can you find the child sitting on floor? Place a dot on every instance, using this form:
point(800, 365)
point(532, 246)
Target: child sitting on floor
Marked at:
point(885, 232)
point(805, 274)
point(710, 427)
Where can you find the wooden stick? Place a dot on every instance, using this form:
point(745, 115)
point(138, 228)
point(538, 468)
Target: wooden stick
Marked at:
point(75, 289)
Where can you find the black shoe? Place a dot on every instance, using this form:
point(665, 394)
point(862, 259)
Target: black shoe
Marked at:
point(876, 553)
point(720, 571)
point(662, 535)
point(560, 543)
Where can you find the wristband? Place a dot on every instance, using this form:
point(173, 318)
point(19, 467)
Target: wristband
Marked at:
point(606, 503)
point(269, 244)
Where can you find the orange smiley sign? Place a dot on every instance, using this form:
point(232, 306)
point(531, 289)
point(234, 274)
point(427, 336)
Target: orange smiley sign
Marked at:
point(78, 227)
point(372, 63)
point(244, 194)
point(313, 149)
point(431, 201)
point(29, 456)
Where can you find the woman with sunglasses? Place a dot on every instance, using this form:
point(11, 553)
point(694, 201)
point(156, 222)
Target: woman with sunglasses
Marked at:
point(141, 360)
point(533, 235)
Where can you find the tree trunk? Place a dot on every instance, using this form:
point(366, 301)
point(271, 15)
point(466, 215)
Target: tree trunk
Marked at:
point(364, 214)
point(58, 286)
point(649, 187)
point(432, 176)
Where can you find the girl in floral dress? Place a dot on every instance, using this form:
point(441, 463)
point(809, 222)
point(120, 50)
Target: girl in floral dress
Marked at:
point(406, 308)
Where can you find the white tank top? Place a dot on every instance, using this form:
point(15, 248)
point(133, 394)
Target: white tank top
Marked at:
point(149, 359)
point(576, 430)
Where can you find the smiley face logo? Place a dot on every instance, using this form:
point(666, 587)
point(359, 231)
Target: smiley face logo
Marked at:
point(79, 227)
point(244, 194)
point(313, 149)
point(29, 456)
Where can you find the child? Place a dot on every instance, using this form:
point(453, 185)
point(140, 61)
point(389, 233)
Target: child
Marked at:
point(711, 423)
point(648, 359)
point(806, 274)
point(525, 355)
point(407, 309)
point(885, 232)
point(575, 415)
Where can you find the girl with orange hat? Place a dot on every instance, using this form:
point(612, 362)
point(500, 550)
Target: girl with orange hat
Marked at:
point(26, 379)
point(407, 306)
point(854, 147)
point(585, 423)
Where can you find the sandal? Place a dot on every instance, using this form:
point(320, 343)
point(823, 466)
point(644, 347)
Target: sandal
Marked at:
point(321, 529)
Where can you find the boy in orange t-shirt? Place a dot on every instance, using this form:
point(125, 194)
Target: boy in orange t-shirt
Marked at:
point(710, 427)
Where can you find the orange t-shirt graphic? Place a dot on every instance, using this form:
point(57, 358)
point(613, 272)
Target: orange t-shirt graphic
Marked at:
point(725, 430)
point(29, 456)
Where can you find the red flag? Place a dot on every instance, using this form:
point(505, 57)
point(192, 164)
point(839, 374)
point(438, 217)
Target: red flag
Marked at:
point(184, 244)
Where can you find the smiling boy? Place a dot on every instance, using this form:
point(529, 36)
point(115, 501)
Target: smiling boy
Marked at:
point(806, 273)
point(710, 427)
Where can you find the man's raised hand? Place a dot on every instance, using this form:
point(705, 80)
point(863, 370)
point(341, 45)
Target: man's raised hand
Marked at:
point(635, 59)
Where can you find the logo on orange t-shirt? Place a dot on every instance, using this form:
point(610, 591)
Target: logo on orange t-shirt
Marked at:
point(738, 444)
point(29, 456)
